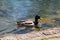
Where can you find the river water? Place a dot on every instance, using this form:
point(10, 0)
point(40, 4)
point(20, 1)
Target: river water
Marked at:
point(13, 11)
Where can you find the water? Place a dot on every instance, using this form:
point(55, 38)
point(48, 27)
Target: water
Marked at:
point(12, 11)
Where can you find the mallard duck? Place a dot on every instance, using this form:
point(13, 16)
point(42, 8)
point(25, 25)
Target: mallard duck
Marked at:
point(28, 23)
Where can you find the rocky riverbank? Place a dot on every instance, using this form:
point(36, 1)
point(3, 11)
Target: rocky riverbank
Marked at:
point(50, 34)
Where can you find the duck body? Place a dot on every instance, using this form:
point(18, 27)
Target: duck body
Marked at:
point(25, 23)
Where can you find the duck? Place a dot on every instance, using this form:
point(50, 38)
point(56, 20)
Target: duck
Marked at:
point(25, 23)
point(28, 23)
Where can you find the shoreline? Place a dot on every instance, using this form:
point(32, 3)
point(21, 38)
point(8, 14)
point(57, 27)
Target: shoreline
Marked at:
point(35, 34)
